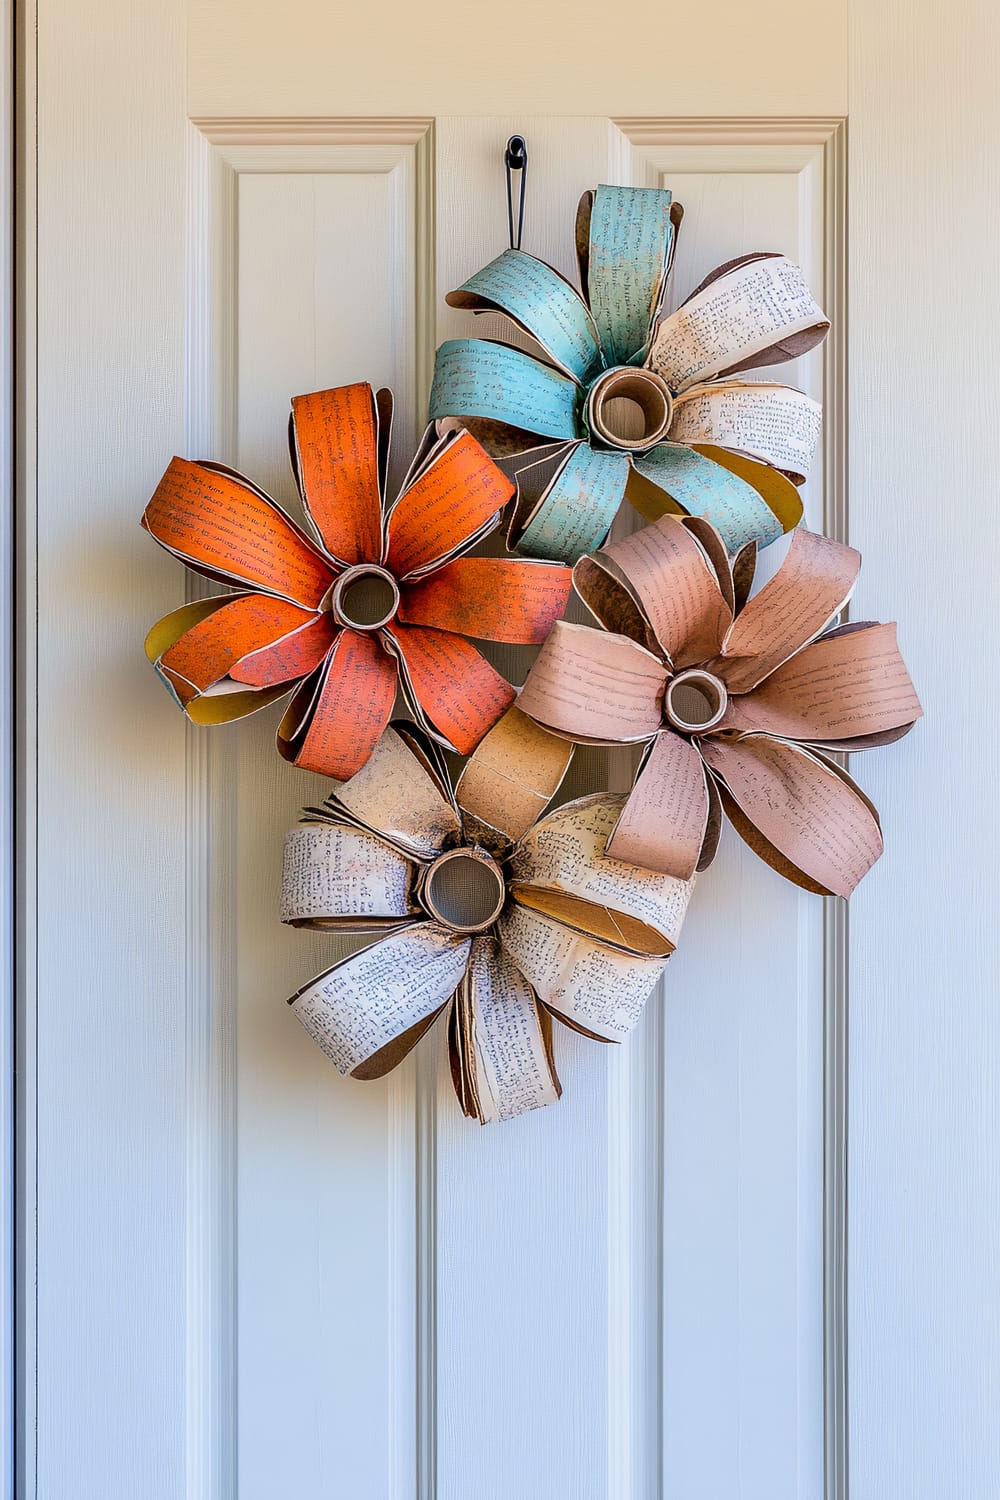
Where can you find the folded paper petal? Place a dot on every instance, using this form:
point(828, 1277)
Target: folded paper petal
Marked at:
point(478, 378)
point(370, 1010)
point(223, 527)
point(611, 600)
point(773, 423)
point(295, 655)
point(678, 588)
point(595, 687)
point(754, 312)
point(703, 487)
point(505, 1039)
point(334, 443)
point(816, 827)
point(334, 720)
point(562, 869)
point(199, 645)
point(566, 508)
point(845, 686)
point(335, 876)
point(812, 585)
point(448, 503)
point(663, 824)
point(491, 598)
point(542, 303)
point(631, 238)
point(510, 779)
point(594, 988)
point(453, 688)
point(397, 796)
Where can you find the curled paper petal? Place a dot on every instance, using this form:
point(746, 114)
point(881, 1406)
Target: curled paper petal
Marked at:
point(631, 238)
point(566, 508)
point(491, 598)
point(338, 877)
point(844, 687)
point(292, 657)
point(702, 487)
point(593, 988)
point(370, 1010)
point(397, 796)
point(747, 316)
point(477, 378)
point(511, 777)
point(335, 719)
point(221, 526)
point(677, 587)
point(595, 687)
point(334, 443)
point(812, 585)
point(561, 868)
point(665, 819)
point(609, 597)
point(196, 647)
point(770, 422)
point(502, 1039)
point(801, 814)
point(542, 303)
point(449, 503)
point(455, 691)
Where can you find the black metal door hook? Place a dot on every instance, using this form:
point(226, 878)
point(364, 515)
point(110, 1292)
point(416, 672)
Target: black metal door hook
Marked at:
point(515, 158)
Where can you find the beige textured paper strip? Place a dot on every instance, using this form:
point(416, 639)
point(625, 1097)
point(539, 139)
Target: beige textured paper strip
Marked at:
point(336, 872)
point(598, 989)
point(770, 422)
point(394, 795)
point(360, 1006)
point(508, 1051)
point(566, 853)
point(513, 774)
point(742, 313)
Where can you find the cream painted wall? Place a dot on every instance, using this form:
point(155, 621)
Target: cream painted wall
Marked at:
point(771, 57)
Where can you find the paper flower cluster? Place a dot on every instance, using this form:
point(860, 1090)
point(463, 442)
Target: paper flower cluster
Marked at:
point(629, 402)
point(486, 907)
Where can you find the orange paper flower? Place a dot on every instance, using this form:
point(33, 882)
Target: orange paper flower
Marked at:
point(737, 699)
point(382, 596)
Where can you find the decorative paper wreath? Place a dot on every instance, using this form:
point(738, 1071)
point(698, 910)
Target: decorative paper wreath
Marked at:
point(632, 404)
point(504, 934)
point(383, 596)
point(485, 905)
point(736, 699)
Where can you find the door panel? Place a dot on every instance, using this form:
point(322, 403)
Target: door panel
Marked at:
point(284, 1282)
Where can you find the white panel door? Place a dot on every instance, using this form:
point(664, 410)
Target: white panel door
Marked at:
point(249, 1277)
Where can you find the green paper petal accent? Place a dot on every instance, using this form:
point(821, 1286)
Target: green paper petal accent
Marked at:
point(706, 489)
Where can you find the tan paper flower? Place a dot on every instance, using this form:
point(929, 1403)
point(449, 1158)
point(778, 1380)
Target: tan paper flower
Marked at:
point(737, 699)
point(503, 941)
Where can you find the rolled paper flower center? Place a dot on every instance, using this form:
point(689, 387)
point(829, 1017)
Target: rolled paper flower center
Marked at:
point(464, 889)
point(695, 701)
point(630, 408)
point(365, 597)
